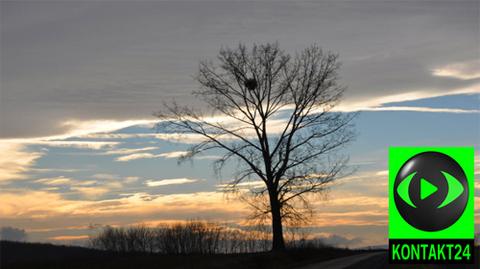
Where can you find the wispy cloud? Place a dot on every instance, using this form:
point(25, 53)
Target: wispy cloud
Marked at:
point(111, 179)
point(173, 181)
point(30, 205)
point(56, 181)
point(106, 176)
point(50, 170)
point(338, 240)
point(78, 128)
point(131, 179)
point(97, 186)
point(64, 181)
point(15, 161)
point(344, 208)
point(463, 70)
point(421, 109)
point(69, 237)
point(173, 154)
point(180, 138)
point(171, 137)
point(125, 151)
point(136, 156)
point(382, 173)
point(91, 192)
point(241, 185)
point(78, 144)
point(96, 145)
point(414, 94)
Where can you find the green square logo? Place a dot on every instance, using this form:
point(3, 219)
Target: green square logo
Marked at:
point(431, 193)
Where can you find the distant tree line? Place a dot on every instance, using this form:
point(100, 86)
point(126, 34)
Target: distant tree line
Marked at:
point(13, 234)
point(193, 237)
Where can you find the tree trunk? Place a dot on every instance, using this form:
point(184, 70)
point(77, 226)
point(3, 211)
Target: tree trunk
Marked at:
point(278, 244)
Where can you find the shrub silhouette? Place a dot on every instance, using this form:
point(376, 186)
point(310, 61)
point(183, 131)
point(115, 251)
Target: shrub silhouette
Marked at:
point(195, 237)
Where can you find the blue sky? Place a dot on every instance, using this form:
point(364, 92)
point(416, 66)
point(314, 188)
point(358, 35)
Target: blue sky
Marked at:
point(80, 82)
point(116, 179)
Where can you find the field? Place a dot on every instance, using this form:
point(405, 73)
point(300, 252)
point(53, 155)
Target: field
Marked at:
point(34, 255)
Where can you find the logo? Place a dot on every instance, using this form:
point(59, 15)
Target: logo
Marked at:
point(431, 191)
point(431, 204)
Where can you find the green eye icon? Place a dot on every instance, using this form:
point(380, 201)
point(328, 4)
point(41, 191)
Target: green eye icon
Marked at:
point(430, 191)
point(431, 205)
point(454, 189)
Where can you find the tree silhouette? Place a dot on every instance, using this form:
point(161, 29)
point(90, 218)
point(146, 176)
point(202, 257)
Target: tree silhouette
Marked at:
point(272, 112)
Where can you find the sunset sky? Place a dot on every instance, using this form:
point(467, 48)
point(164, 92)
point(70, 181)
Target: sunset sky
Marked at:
point(81, 79)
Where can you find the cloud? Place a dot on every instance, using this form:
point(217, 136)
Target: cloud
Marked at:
point(170, 137)
point(77, 128)
point(131, 179)
point(173, 181)
point(391, 49)
point(91, 192)
point(49, 170)
point(77, 144)
point(54, 209)
point(124, 151)
point(338, 240)
point(71, 182)
point(180, 138)
point(21, 159)
point(173, 154)
point(382, 173)
point(345, 207)
point(61, 180)
point(136, 156)
point(463, 70)
point(420, 109)
point(50, 142)
point(406, 95)
point(183, 138)
point(359, 218)
point(207, 157)
point(15, 161)
point(69, 237)
point(47, 214)
point(115, 179)
point(12, 234)
point(242, 185)
point(91, 189)
point(167, 155)
point(105, 176)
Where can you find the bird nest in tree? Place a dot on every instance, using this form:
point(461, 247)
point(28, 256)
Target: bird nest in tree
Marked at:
point(251, 84)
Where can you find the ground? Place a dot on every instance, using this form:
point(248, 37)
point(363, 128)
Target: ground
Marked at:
point(34, 255)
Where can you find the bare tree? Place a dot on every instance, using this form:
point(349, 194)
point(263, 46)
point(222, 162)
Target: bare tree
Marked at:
point(272, 112)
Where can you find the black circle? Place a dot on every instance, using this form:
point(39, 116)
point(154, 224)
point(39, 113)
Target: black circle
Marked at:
point(427, 215)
